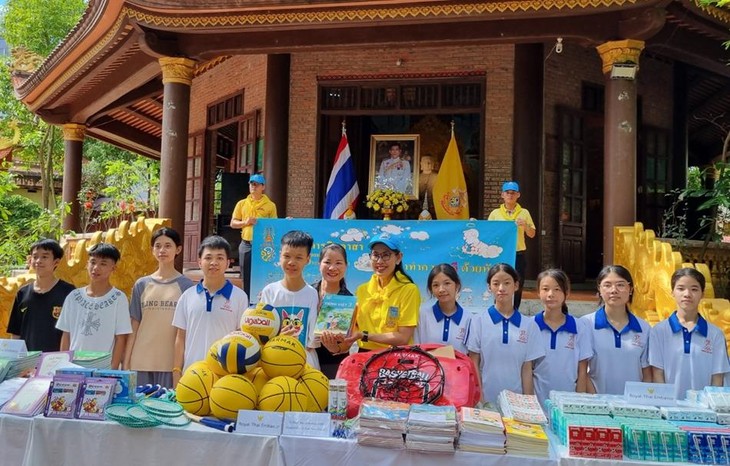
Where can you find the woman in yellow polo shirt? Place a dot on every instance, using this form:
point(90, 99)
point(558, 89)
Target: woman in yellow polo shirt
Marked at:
point(388, 303)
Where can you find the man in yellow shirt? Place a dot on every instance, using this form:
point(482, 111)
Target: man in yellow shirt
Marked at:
point(256, 205)
point(513, 212)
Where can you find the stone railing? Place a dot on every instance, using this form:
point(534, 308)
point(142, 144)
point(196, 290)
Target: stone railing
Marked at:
point(716, 255)
point(131, 238)
point(652, 263)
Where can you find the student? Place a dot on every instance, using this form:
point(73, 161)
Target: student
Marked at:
point(151, 346)
point(96, 317)
point(387, 304)
point(38, 305)
point(567, 347)
point(619, 339)
point(332, 267)
point(444, 322)
point(245, 214)
point(685, 349)
point(208, 311)
point(292, 295)
point(502, 342)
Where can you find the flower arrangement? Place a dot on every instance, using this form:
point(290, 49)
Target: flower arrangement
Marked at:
point(381, 199)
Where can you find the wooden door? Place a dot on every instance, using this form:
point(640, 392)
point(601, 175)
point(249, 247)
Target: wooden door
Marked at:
point(194, 199)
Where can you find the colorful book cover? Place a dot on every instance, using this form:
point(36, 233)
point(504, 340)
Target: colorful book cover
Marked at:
point(523, 429)
point(335, 314)
point(29, 399)
point(63, 396)
point(49, 362)
point(96, 395)
point(298, 317)
point(482, 417)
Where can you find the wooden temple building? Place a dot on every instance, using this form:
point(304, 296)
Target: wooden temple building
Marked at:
point(597, 107)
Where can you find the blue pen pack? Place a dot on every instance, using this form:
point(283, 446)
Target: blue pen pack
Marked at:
point(86, 372)
point(127, 383)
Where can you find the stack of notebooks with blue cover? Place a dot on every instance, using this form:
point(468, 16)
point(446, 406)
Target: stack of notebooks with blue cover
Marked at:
point(382, 423)
point(431, 428)
point(481, 431)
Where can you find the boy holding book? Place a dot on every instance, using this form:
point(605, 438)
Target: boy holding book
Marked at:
point(37, 305)
point(96, 317)
point(208, 311)
point(294, 299)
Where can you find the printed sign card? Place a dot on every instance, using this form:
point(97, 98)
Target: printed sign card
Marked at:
point(259, 422)
point(306, 424)
point(653, 394)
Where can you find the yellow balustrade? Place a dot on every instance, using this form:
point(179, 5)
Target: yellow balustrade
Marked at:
point(131, 238)
point(652, 263)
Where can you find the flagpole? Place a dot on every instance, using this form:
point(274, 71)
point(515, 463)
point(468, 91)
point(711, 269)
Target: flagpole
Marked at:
point(344, 127)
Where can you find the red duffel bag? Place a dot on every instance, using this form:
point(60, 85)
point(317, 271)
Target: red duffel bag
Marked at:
point(410, 374)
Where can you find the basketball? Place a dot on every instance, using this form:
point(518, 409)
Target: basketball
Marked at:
point(238, 352)
point(201, 365)
point(193, 391)
point(262, 322)
point(282, 394)
point(258, 377)
point(316, 385)
point(211, 359)
point(231, 393)
point(283, 355)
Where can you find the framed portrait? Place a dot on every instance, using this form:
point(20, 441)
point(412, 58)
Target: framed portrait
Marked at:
point(394, 162)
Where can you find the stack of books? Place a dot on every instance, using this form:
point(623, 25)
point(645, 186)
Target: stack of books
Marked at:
point(481, 431)
point(17, 367)
point(519, 407)
point(382, 423)
point(93, 359)
point(431, 428)
point(526, 439)
point(30, 399)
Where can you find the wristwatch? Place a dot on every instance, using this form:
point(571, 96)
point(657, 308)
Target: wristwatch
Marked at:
point(364, 336)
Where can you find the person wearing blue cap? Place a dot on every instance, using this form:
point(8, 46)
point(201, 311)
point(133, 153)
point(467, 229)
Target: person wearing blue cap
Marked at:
point(512, 211)
point(247, 211)
point(387, 304)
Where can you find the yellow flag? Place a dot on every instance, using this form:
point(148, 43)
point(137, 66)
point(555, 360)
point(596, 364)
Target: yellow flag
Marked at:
point(449, 191)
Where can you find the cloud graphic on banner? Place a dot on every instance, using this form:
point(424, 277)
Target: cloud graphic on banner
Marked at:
point(363, 263)
point(353, 235)
point(419, 235)
point(392, 229)
point(474, 247)
point(467, 290)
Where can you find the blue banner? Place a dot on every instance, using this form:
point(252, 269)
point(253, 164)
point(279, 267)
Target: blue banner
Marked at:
point(472, 247)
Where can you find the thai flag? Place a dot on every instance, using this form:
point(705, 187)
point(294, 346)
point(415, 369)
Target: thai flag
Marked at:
point(342, 189)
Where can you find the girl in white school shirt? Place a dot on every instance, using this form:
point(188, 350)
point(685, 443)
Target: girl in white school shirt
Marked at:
point(502, 342)
point(619, 339)
point(445, 321)
point(567, 344)
point(686, 350)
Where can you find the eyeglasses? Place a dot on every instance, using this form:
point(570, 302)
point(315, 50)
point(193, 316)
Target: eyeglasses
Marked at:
point(620, 286)
point(385, 257)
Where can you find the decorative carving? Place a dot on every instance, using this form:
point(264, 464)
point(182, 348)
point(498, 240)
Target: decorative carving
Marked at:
point(620, 51)
point(25, 60)
point(177, 70)
point(74, 132)
point(7, 143)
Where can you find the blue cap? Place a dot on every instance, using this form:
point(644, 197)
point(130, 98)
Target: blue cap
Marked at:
point(257, 178)
point(387, 239)
point(510, 186)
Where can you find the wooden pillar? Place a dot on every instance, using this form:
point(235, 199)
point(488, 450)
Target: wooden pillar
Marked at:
point(73, 149)
point(177, 76)
point(276, 129)
point(619, 147)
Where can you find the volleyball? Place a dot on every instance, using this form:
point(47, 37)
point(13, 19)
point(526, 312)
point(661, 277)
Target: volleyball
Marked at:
point(231, 393)
point(258, 377)
point(283, 355)
point(316, 385)
point(282, 394)
point(261, 321)
point(238, 352)
point(211, 359)
point(193, 391)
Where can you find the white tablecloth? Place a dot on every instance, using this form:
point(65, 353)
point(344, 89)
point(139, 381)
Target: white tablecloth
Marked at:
point(14, 434)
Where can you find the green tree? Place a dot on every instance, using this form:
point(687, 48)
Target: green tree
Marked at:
point(39, 25)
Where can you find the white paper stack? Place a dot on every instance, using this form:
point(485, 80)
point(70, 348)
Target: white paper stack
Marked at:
point(481, 431)
point(519, 407)
point(526, 439)
point(382, 423)
point(431, 428)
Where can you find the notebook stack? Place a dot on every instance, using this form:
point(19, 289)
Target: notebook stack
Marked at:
point(481, 431)
point(526, 439)
point(382, 423)
point(431, 428)
point(19, 366)
point(524, 408)
point(93, 359)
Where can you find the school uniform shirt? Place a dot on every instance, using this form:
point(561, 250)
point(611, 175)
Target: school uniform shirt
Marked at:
point(688, 358)
point(503, 345)
point(436, 327)
point(617, 356)
point(383, 310)
point(564, 349)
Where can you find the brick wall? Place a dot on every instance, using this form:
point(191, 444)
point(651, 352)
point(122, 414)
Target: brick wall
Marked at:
point(497, 61)
point(655, 87)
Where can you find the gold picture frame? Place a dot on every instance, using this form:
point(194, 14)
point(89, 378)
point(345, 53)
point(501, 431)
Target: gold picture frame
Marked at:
point(398, 171)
